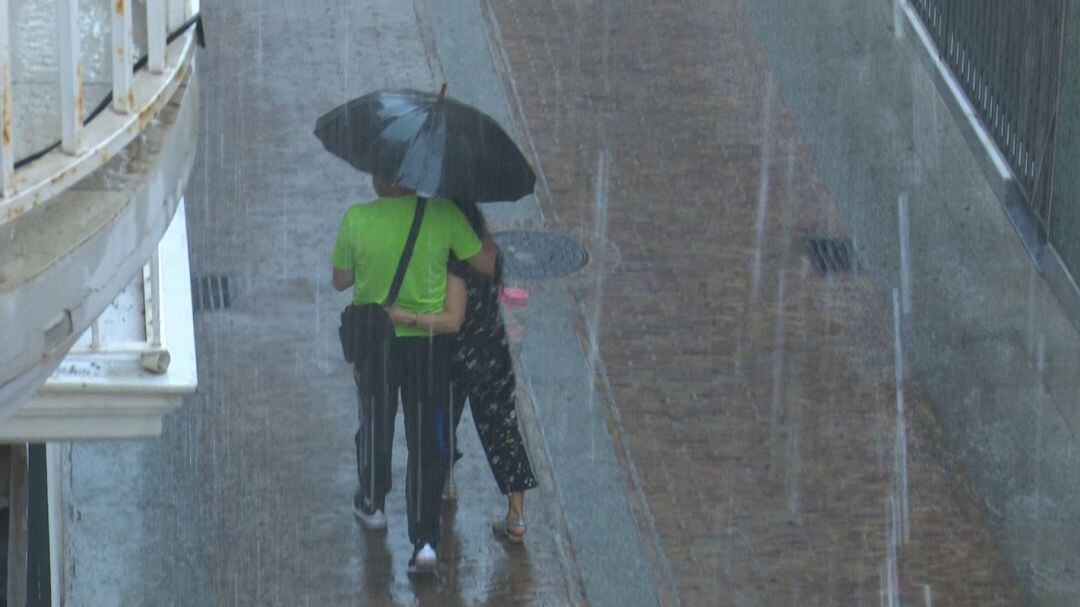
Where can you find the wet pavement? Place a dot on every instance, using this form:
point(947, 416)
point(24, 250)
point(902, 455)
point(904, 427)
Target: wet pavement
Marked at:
point(278, 402)
point(247, 497)
point(713, 421)
point(756, 398)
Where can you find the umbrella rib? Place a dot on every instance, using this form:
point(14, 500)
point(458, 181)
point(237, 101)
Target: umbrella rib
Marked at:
point(412, 140)
point(375, 140)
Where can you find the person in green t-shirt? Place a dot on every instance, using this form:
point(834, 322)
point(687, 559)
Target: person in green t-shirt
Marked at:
point(369, 245)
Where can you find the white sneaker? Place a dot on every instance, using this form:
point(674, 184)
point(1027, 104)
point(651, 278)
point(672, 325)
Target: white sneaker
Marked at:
point(375, 521)
point(423, 560)
point(370, 519)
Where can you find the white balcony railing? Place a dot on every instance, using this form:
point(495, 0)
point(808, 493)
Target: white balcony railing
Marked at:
point(86, 142)
point(131, 367)
point(98, 123)
point(147, 344)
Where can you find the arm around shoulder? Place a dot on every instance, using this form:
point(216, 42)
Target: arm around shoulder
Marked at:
point(484, 261)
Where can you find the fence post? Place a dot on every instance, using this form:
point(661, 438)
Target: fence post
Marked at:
point(7, 152)
point(123, 100)
point(156, 33)
point(176, 14)
point(71, 93)
point(152, 299)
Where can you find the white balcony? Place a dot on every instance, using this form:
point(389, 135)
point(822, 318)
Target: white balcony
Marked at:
point(130, 368)
point(99, 112)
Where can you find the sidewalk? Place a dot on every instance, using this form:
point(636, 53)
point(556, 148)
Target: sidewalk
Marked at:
point(247, 497)
point(756, 398)
point(731, 441)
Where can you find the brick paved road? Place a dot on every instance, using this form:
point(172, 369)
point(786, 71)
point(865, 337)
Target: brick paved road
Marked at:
point(757, 397)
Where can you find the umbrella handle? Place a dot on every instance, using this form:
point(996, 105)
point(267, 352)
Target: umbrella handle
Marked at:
point(442, 91)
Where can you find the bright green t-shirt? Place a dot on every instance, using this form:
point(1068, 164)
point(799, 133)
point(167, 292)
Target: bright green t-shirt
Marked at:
point(372, 237)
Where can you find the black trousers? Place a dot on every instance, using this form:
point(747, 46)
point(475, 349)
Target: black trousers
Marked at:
point(483, 373)
point(418, 371)
point(489, 388)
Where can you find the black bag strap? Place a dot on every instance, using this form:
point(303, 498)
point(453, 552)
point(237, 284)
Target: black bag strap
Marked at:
point(406, 255)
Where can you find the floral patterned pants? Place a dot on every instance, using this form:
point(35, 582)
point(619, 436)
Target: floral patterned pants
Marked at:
point(483, 374)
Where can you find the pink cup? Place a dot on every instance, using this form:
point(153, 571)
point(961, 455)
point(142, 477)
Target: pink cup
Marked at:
point(513, 296)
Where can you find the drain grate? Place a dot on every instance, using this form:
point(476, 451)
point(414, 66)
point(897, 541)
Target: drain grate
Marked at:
point(529, 255)
point(830, 255)
point(211, 292)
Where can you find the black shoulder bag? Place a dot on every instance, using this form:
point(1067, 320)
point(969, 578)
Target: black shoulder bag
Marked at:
point(366, 330)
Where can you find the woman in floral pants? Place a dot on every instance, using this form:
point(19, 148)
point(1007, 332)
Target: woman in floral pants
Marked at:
point(482, 371)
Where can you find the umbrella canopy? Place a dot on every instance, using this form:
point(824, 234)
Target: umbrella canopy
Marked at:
point(429, 143)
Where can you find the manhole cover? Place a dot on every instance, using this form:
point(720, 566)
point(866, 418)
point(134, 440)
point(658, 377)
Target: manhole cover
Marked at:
point(539, 255)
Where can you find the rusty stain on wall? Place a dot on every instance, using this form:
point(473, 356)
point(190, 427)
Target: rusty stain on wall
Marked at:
point(78, 100)
point(7, 104)
point(14, 211)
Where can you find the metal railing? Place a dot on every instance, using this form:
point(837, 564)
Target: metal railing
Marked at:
point(1007, 55)
point(140, 89)
point(151, 350)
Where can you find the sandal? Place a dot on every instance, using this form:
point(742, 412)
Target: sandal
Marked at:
point(513, 531)
point(449, 491)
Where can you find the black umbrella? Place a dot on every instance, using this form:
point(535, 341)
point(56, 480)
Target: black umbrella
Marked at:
point(429, 143)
